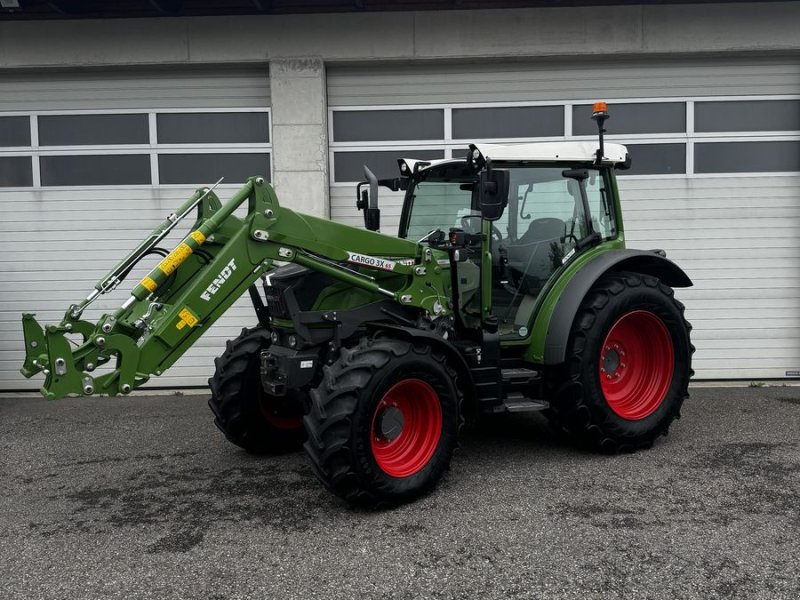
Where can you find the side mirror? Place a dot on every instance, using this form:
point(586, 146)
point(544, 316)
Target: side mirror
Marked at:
point(493, 189)
point(368, 201)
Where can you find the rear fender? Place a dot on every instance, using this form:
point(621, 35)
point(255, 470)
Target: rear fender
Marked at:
point(652, 262)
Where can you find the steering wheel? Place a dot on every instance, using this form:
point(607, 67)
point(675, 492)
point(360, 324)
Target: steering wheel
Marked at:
point(467, 226)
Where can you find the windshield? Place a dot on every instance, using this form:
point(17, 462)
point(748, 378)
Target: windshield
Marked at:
point(438, 205)
point(441, 200)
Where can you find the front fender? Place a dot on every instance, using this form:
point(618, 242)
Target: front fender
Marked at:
point(455, 358)
point(652, 262)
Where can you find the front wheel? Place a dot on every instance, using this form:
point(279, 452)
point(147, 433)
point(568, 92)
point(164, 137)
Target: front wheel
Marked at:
point(247, 415)
point(628, 365)
point(383, 422)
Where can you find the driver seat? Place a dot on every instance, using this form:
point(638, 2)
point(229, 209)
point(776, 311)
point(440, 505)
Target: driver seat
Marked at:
point(533, 258)
point(532, 255)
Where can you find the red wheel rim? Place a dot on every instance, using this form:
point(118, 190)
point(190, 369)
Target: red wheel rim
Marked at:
point(636, 365)
point(406, 427)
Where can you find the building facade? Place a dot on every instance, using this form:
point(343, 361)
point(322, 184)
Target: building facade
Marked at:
point(107, 124)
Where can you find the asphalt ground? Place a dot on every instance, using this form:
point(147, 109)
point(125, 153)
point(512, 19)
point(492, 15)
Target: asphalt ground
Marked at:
point(143, 498)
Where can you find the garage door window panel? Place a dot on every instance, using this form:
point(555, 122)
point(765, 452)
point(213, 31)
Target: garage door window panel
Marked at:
point(213, 128)
point(388, 125)
point(16, 171)
point(633, 118)
point(197, 168)
point(508, 122)
point(15, 132)
point(656, 159)
point(747, 115)
point(93, 130)
point(95, 169)
point(349, 166)
point(747, 157)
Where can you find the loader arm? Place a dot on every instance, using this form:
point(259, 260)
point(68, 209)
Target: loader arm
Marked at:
point(219, 259)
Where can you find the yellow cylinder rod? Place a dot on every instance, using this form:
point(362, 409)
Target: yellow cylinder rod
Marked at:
point(189, 244)
point(167, 266)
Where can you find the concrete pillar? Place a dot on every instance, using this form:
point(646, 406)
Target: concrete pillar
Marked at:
point(300, 134)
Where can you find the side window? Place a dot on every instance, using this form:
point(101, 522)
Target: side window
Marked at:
point(600, 205)
point(547, 206)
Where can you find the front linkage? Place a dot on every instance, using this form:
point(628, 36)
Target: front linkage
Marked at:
point(205, 274)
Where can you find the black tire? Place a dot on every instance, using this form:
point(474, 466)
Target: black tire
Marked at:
point(587, 406)
point(343, 421)
point(244, 412)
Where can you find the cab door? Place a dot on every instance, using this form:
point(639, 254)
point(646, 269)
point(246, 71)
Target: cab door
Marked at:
point(545, 220)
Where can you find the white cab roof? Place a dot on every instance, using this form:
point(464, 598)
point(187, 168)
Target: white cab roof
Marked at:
point(542, 151)
point(546, 151)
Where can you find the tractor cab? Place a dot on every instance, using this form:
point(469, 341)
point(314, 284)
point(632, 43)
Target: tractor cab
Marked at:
point(554, 203)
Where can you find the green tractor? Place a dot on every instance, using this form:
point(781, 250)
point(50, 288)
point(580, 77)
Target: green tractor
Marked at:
point(508, 289)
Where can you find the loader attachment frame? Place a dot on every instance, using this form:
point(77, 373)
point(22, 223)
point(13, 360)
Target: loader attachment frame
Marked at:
point(215, 263)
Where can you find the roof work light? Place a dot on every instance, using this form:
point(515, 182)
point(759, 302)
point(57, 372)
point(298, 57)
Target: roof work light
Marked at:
point(600, 114)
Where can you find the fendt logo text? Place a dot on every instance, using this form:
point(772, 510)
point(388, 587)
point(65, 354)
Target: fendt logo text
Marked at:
point(219, 280)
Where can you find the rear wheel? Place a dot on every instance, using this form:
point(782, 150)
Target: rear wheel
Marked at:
point(248, 416)
point(628, 365)
point(383, 422)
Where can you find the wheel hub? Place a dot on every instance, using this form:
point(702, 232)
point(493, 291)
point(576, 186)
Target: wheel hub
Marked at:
point(612, 361)
point(389, 421)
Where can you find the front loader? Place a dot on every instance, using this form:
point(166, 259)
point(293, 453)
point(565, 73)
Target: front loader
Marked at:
point(508, 289)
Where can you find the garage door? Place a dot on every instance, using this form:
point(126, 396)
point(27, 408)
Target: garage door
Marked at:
point(715, 178)
point(91, 161)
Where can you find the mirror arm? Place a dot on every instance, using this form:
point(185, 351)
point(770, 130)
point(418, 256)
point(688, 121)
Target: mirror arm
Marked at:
point(373, 187)
point(395, 184)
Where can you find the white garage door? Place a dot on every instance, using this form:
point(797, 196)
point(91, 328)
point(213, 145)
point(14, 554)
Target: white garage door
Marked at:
point(715, 178)
point(90, 162)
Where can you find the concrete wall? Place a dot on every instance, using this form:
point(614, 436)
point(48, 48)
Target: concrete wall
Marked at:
point(300, 133)
point(618, 30)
